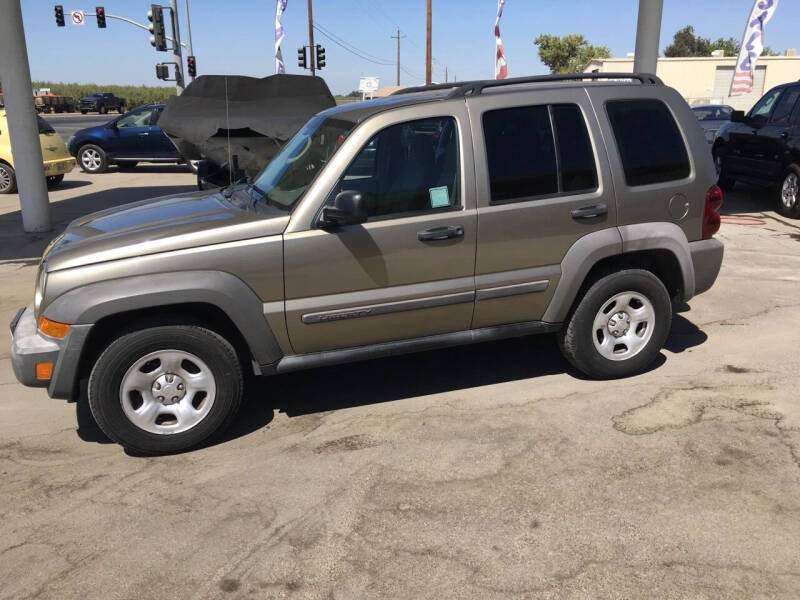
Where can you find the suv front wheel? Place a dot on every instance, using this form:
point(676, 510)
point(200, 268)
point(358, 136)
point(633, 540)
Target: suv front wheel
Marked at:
point(165, 389)
point(618, 326)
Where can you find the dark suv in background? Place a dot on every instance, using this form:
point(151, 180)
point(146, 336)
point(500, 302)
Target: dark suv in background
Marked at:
point(762, 147)
point(125, 141)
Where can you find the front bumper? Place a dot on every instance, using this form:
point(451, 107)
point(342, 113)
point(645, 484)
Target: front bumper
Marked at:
point(707, 260)
point(29, 347)
point(59, 167)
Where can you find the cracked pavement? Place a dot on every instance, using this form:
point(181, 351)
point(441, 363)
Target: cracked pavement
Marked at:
point(491, 471)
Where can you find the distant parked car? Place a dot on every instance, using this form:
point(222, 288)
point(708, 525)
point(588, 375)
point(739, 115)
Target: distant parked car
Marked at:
point(762, 147)
point(101, 102)
point(127, 140)
point(57, 161)
point(712, 117)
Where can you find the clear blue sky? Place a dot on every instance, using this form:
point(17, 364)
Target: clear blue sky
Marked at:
point(236, 37)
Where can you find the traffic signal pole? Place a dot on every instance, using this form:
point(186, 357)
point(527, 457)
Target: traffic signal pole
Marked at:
point(176, 46)
point(15, 75)
point(189, 50)
point(311, 48)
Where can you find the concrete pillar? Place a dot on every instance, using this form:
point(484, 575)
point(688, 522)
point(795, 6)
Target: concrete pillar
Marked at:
point(648, 32)
point(15, 77)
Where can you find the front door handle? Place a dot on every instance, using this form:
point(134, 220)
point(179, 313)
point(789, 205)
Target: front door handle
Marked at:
point(145, 133)
point(589, 212)
point(440, 233)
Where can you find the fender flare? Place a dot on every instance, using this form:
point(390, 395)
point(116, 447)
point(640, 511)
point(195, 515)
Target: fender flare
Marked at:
point(90, 303)
point(586, 252)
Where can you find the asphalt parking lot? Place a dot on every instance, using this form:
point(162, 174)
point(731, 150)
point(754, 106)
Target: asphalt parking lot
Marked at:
point(490, 471)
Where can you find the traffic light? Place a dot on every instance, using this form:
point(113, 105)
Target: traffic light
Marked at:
point(320, 56)
point(192, 64)
point(162, 72)
point(159, 37)
point(101, 17)
point(59, 15)
point(301, 57)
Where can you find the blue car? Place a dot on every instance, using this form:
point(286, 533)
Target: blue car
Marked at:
point(124, 141)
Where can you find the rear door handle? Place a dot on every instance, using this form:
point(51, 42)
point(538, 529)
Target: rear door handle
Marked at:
point(589, 212)
point(145, 133)
point(440, 233)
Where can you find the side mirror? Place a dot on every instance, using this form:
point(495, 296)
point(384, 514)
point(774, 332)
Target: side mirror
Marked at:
point(348, 209)
point(737, 116)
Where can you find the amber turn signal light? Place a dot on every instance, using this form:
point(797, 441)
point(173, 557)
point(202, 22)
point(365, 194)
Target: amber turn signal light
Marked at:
point(44, 370)
point(53, 328)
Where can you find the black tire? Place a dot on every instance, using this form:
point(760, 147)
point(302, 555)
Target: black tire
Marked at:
point(104, 390)
point(127, 165)
point(92, 159)
point(121, 109)
point(789, 199)
point(8, 179)
point(577, 338)
point(102, 109)
point(724, 181)
point(54, 180)
point(83, 112)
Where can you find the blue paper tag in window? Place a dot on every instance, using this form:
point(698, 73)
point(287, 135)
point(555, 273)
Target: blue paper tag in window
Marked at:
point(440, 197)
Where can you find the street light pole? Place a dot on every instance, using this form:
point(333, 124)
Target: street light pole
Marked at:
point(428, 53)
point(15, 75)
point(648, 32)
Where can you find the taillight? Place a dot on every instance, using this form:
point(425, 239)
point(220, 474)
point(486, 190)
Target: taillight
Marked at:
point(711, 218)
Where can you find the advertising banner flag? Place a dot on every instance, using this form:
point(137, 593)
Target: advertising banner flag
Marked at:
point(281, 6)
point(500, 66)
point(752, 46)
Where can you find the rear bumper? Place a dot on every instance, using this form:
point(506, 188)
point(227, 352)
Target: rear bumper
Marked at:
point(59, 167)
point(29, 347)
point(707, 260)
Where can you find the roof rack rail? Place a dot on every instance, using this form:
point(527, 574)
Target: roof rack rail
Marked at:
point(470, 88)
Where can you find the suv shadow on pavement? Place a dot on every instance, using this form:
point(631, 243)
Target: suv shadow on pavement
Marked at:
point(386, 379)
point(16, 245)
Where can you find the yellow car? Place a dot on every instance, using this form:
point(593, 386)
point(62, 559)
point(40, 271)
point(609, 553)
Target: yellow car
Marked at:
point(57, 161)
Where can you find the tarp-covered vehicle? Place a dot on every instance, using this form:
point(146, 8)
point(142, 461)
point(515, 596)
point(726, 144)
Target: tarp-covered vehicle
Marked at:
point(239, 123)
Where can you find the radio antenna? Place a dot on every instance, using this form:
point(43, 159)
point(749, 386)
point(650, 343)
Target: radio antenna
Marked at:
point(228, 131)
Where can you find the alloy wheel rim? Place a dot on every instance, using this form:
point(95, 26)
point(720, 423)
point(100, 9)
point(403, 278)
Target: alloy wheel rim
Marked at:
point(5, 179)
point(90, 159)
point(167, 392)
point(623, 326)
point(789, 190)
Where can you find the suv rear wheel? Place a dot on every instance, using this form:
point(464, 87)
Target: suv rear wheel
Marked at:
point(789, 192)
point(165, 389)
point(619, 325)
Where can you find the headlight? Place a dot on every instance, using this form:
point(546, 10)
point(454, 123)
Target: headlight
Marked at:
point(38, 293)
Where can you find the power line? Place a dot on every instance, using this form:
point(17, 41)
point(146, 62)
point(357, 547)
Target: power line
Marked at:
point(351, 48)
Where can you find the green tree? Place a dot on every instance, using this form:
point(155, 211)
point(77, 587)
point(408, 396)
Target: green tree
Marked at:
point(686, 43)
point(568, 54)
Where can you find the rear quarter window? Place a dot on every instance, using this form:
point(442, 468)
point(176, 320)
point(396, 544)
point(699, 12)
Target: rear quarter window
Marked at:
point(650, 144)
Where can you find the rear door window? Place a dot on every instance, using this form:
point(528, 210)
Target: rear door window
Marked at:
point(650, 144)
point(527, 157)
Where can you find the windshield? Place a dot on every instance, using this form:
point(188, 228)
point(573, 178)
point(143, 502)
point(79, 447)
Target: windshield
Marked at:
point(286, 178)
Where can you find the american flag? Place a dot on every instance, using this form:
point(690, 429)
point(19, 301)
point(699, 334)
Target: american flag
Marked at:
point(279, 68)
point(752, 46)
point(500, 66)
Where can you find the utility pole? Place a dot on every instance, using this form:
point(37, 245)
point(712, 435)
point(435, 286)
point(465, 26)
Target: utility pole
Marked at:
point(428, 54)
point(311, 49)
point(176, 46)
point(15, 74)
point(189, 50)
point(398, 37)
point(445, 74)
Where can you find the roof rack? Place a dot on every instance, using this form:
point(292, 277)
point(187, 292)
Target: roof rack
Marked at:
point(471, 88)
